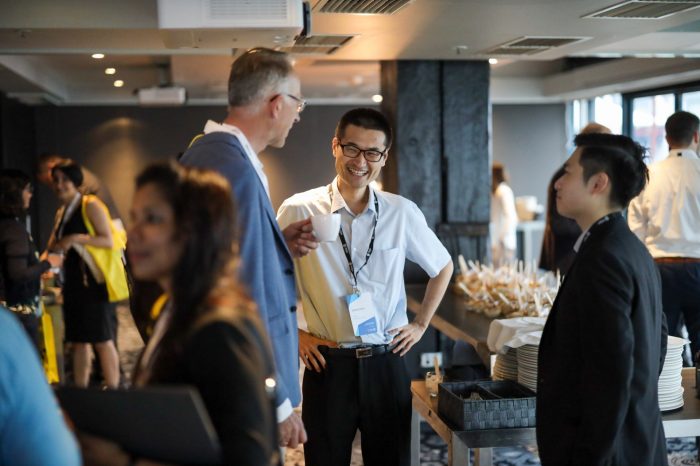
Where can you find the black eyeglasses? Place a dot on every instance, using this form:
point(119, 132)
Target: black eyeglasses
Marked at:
point(301, 103)
point(352, 151)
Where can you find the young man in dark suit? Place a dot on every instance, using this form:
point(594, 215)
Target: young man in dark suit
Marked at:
point(604, 342)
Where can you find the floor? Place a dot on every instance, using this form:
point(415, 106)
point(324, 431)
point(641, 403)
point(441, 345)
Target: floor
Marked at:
point(433, 451)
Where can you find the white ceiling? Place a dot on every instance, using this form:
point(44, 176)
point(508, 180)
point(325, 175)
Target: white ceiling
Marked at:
point(45, 49)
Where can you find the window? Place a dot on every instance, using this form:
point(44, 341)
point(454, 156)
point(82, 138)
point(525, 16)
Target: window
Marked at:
point(607, 110)
point(690, 102)
point(649, 115)
point(579, 114)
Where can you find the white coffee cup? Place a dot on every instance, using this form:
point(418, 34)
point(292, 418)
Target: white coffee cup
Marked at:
point(326, 226)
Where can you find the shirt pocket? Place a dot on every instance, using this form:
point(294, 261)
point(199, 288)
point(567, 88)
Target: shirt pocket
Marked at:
point(382, 264)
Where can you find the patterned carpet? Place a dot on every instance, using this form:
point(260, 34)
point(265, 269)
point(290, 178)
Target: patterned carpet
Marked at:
point(433, 450)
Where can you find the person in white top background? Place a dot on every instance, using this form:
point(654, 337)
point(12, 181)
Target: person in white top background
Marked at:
point(666, 217)
point(504, 219)
point(354, 300)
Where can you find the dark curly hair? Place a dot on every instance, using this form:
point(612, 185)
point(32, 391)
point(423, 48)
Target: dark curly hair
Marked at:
point(619, 157)
point(204, 277)
point(12, 183)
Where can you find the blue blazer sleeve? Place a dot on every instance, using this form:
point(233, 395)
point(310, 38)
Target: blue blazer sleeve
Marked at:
point(266, 265)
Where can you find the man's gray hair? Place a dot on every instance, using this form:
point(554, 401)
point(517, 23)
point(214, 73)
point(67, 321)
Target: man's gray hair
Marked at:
point(254, 73)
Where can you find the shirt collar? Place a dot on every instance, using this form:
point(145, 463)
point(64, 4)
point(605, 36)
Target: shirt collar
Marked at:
point(586, 234)
point(339, 203)
point(213, 127)
point(685, 153)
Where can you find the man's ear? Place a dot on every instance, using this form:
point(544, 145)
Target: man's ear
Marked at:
point(696, 137)
point(599, 183)
point(274, 106)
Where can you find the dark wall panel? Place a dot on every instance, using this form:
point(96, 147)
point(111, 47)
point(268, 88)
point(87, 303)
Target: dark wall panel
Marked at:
point(118, 142)
point(466, 121)
point(17, 142)
point(414, 106)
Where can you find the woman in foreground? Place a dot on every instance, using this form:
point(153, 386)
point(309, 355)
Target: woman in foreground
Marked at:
point(207, 334)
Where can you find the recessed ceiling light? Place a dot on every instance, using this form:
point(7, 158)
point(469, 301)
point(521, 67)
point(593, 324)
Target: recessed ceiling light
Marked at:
point(377, 98)
point(110, 70)
point(98, 56)
point(118, 83)
point(493, 61)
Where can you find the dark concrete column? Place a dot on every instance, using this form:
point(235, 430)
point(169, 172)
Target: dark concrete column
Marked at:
point(440, 159)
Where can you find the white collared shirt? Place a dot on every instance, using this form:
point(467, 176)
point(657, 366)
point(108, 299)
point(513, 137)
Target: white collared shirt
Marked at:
point(323, 276)
point(666, 215)
point(213, 127)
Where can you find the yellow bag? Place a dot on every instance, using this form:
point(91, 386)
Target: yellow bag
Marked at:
point(50, 357)
point(109, 261)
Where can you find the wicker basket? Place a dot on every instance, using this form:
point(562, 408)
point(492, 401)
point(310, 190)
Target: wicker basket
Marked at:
point(504, 404)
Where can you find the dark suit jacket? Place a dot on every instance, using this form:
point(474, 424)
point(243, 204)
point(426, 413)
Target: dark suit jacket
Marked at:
point(226, 357)
point(266, 268)
point(600, 357)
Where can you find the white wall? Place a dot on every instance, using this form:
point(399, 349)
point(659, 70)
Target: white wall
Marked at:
point(530, 141)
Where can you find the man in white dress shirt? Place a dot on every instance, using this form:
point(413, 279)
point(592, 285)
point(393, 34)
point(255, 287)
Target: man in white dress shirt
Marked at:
point(354, 301)
point(666, 217)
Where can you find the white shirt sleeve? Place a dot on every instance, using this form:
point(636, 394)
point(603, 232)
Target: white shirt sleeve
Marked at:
point(422, 245)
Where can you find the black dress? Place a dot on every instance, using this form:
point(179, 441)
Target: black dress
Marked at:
point(87, 312)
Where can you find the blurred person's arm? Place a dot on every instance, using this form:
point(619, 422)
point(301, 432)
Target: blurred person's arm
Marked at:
point(100, 222)
point(17, 250)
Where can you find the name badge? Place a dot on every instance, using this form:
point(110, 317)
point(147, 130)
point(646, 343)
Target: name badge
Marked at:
point(362, 314)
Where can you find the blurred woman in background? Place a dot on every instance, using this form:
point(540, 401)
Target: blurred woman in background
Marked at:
point(20, 267)
point(87, 312)
point(504, 219)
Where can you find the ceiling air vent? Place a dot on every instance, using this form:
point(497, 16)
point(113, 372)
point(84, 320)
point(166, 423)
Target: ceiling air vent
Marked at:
point(644, 9)
point(529, 45)
point(318, 45)
point(374, 7)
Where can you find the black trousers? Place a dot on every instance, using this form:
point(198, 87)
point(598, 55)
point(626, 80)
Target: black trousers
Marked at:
point(370, 394)
point(680, 293)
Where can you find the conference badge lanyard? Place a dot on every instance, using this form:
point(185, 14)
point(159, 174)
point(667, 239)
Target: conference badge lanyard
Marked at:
point(360, 306)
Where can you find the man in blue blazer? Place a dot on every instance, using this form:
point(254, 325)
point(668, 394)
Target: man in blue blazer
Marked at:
point(264, 103)
point(604, 342)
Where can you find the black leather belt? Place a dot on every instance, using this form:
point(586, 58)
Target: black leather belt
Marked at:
point(358, 352)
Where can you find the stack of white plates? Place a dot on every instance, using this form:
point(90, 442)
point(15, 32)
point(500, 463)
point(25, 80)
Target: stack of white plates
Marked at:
point(506, 366)
point(670, 388)
point(527, 366)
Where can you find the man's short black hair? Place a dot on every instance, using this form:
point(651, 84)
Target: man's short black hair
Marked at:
point(620, 158)
point(367, 118)
point(681, 127)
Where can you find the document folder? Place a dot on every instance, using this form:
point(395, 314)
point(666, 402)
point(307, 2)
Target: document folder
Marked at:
point(168, 424)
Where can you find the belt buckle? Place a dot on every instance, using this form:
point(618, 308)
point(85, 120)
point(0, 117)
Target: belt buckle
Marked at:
point(364, 352)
